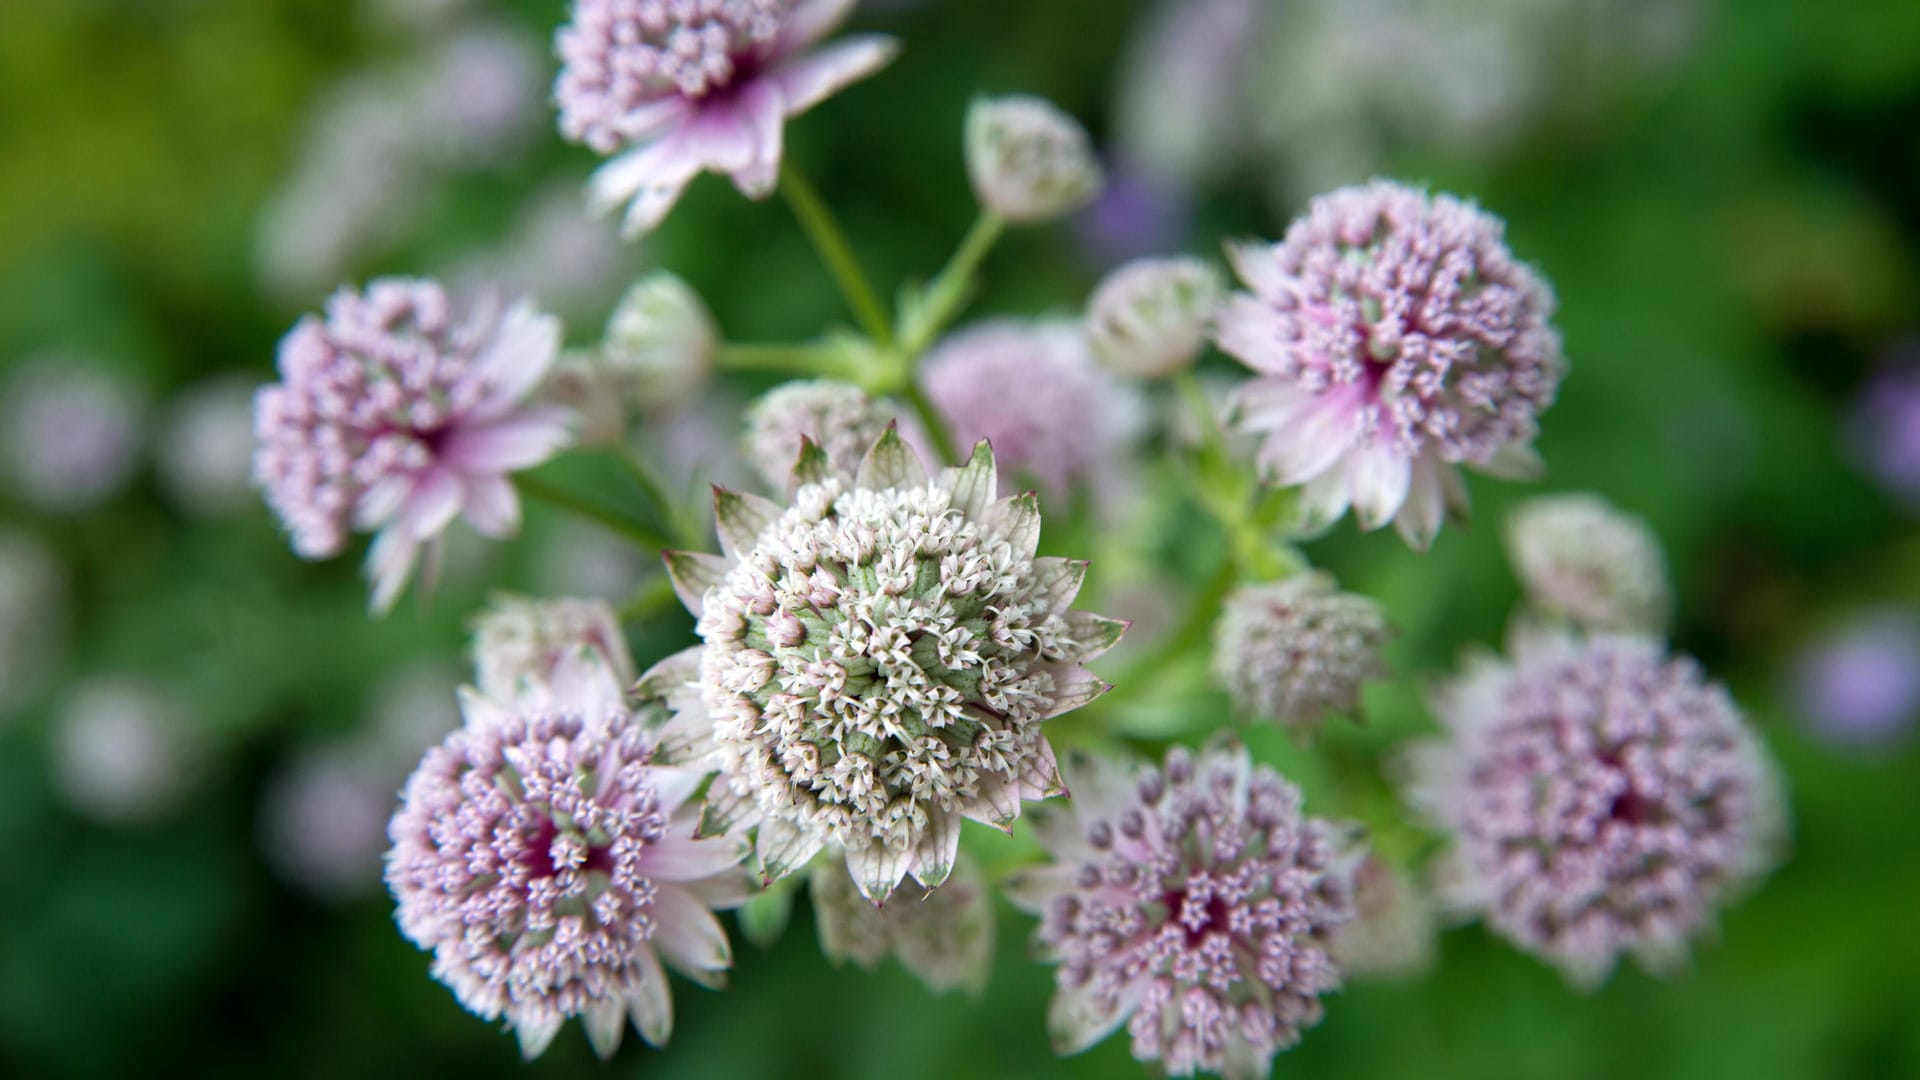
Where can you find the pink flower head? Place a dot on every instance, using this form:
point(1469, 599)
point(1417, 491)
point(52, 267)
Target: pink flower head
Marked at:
point(1393, 337)
point(1603, 799)
point(1194, 904)
point(551, 867)
point(397, 413)
point(678, 87)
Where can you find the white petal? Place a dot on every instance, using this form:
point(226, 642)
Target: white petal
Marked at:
point(689, 938)
point(431, 505)
point(1379, 475)
point(1324, 500)
point(808, 80)
point(605, 1020)
point(939, 845)
point(810, 21)
point(741, 517)
point(519, 440)
point(650, 1002)
point(536, 1035)
point(877, 868)
point(1075, 1021)
point(1316, 438)
point(389, 565)
point(523, 347)
point(674, 786)
point(492, 507)
point(1514, 461)
point(1419, 519)
point(973, 486)
point(890, 463)
point(764, 119)
point(683, 859)
point(784, 847)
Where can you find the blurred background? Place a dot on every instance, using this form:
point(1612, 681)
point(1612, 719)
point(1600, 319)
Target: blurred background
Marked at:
point(201, 736)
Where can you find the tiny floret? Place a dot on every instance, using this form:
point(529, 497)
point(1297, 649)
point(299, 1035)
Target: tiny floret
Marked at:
point(660, 343)
point(1584, 561)
point(550, 865)
point(1294, 650)
point(878, 659)
point(680, 87)
point(399, 411)
point(838, 417)
point(1030, 163)
point(520, 644)
point(1151, 318)
point(1603, 799)
point(1192, 903)
point(1392, 337)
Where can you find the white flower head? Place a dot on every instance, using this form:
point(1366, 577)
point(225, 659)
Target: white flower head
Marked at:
point(519, 643)
point(878, 659)
point(660, 342)
point(1583, 560)
point(1151, 317)
point(1029, 162)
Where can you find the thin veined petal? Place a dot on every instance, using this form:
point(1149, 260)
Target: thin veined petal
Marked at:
point(1076, 1019)
point(605, 1021)
point(524, 346)
point(741, 517)
point(682, 859)
point(974, 485)
point(1314, 441)
point(674, 786)
point(693, 573)
point(877, 868)
point(891, 463)
point(536, 1034)
point(939, 846)
point(381, 501)
point(671, 673)
point(689, 938)
point(1419, 519)
point(809, 80)
point(1324, 500)
point(764, 119)
point(783, 847)
point(492, 506)
point(1380, 475)
point(650, 1001)
point(431, 505)
point(389, 564)
point(811, 21)
point(518, 441)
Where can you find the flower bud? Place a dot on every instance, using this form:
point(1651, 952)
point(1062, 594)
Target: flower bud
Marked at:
point(1151, 317)
point(1029, 162)
point(1582, 560)
point(661, 342)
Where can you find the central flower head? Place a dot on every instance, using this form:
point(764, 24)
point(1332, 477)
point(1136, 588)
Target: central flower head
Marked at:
point(879, 658)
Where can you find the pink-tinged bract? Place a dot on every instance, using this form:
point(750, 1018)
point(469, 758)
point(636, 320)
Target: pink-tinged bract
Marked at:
point(1603, 799)
point(1392, 337)
point(551, 866)
point(680, 87)
point(1192, 903)
point(399, 411)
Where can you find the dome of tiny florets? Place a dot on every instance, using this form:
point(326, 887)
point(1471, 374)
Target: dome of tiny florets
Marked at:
point(1392, 336)
point(520, 644)
point(837, 416)
point(1603, 799)
point(1582, 560)
point(878, 658)
point(1294, 650)
point(621, 56)
point(399, 411)
point(1195, 905)
point(549, 865)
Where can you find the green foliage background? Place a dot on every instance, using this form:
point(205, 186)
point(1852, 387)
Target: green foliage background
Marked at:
point(1731, 253)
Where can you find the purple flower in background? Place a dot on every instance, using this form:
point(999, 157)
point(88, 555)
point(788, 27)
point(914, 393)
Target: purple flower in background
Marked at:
point(551, 867)
point(1034, 390)
point(1859, 685)
point(1195, 904)
point(680, 87)
point(1393, 337)
point(1887, 428)
point(70, 434)
point(1603, 799)
point(398, 412)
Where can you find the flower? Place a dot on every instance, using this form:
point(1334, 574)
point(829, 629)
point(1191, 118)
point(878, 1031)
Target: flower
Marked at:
point(70, 434)
point(878, 658)
point(1583, 560)
point(519, 643)
point(1034, 391)
point(837, 417)
point(660, 342)
point(550, 865)
point(1296, 649)
point(120, 751)
point(944, 938)
point(398, 412)
point(1602, 799)
point(677, 87)
point(1029, 162)
point(1393, 928)
point(1886, 424)
point(1151, 317)
point(1858, 684)
point(1392, 337)
point(1194, 904)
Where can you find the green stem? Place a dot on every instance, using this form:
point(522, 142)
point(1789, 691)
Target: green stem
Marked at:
point(784, 359)
point(948, 292)
point(828, 239)
point(685, 527)
point(574, 504)
point(931, 422)
point(1191, 632)
point(1213, 440)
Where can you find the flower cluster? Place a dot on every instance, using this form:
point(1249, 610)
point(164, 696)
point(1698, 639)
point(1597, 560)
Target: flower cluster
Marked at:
point(520, 644)
point(398, 412)
point(878, 660)
point(1603, 798)
point(1195, 905)
point(835, 416)
point(551, 866)
point(1392, 337)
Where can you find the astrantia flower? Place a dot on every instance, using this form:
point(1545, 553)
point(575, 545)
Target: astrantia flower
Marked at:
point(519, 643)
point(1857, 684)
point(686, 86)
point(1195, 905)
point(878, 659)
point(1029, 162)
point(1602, 798)
point(551, 866)
point(1294, 650)
point(1582, 560)
point(944, 938)
point(1393, 337)
point(660, 342)
point(1151, 317)
point(1393, 928)
point(1035, 392)
point(837, 417)
point(398, 412)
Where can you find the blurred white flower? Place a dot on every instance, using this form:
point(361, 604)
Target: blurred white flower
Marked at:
point(120, 753)
point(70, 433)
point(1029, 162)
